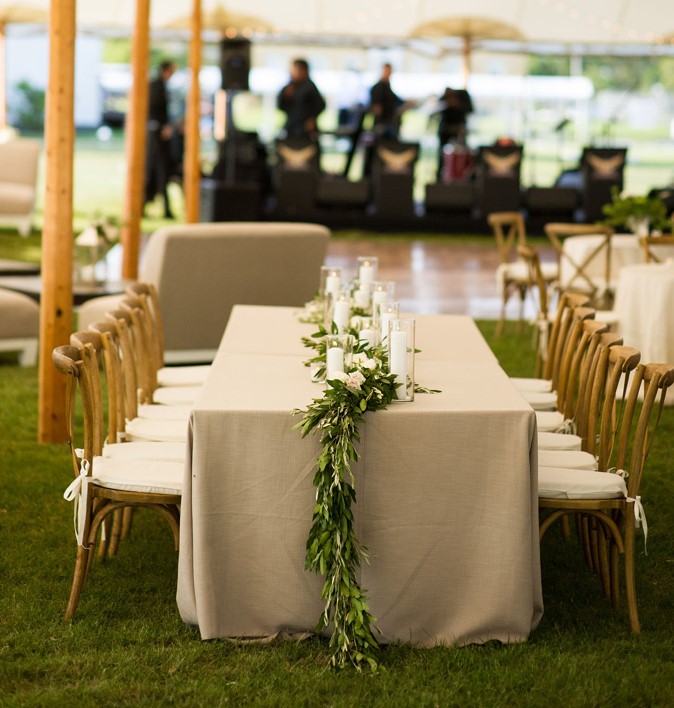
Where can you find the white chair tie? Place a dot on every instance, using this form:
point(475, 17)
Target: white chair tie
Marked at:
point(640, 517)
point(78, 493)
point(568, 427)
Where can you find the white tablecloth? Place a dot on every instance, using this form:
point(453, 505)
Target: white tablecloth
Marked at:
point(446, 488)
point(625, 251)
point(645, 305)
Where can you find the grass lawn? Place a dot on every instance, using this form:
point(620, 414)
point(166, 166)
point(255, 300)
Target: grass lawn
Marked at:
point(128, 644)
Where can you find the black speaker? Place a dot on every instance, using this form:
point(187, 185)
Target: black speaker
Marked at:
point(235, 64)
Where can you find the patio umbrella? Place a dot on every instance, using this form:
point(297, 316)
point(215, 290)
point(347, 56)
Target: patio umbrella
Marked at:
point(469, 29)
point(228, 23)
point(15, 13)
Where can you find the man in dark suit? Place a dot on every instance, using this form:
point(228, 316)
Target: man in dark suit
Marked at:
point(302, 102)
point(386, 106)
point(159, 132)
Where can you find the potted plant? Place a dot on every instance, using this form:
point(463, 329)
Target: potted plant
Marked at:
point(637, 214)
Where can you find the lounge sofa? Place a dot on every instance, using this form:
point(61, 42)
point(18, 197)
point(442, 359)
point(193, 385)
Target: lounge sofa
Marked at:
point(202, 270)
point(18, 179)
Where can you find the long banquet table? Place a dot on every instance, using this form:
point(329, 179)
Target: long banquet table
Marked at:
point(446, 493)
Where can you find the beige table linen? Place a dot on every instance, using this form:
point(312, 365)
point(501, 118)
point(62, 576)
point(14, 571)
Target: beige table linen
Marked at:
point(447, 504)
point(645, 307)
point(278, 330)
point(625, 251)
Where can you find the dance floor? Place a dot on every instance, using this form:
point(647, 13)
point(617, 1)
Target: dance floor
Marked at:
point(435, 277)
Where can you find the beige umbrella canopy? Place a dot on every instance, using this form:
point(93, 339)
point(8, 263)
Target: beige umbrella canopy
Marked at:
point(224, 21)
point(469, 29)
point(14, 14)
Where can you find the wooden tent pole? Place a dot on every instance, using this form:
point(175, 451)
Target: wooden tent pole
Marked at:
point(136, 141)
point(57, 236)
point(3, 77)
point(192, 171)
point(467, 49)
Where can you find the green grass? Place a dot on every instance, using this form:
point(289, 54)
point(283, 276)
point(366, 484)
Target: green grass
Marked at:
point(129, 646)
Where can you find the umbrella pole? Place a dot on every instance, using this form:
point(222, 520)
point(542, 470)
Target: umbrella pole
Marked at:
point(3, 77)
point(192, 178)
point(57, 236)
point(467, 49)
point(136, 141)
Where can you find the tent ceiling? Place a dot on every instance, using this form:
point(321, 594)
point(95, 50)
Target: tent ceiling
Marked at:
point(560, 22)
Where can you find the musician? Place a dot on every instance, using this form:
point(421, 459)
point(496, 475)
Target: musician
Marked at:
point(386, 106)
point(302, 102)
point(456, 107)
point(159, 132)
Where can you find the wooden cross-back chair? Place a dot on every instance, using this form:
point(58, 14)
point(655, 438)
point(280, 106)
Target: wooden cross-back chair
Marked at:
point(580, 279)
point(148, 301)
point(103, 486)
point(647, 244)
point(510, 233)
point(608, 501)
point(559, 331)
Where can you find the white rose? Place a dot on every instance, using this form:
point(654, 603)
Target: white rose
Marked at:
point(359, 358)
point(354, 381)
point(340, 376)
point(369, 364)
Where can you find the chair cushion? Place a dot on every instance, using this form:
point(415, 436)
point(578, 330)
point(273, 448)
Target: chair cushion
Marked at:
point(176, 395)
point(182, 375)
point(537, 385)
point(96, 309)
point(609, 317)
point(147, 476)
point(569, 459)
point(541, 401)
point(519, 271)
point(158, 451)
point(559, 441)
point(157, 430)
point(549, 421)
point(562, 483)
point(155, 412)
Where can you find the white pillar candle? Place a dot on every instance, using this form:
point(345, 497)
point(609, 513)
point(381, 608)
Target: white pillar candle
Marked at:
point(333, 284)
point(398, 358)
point(334, 362)
point(369, 335)
point(379, 296)
point(362, 297)
point(384, 319)
point(366, 272)
point(341, 314)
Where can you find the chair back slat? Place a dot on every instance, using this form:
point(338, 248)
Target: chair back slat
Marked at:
point(121, 320)
point(648, 242)
point(509, 231)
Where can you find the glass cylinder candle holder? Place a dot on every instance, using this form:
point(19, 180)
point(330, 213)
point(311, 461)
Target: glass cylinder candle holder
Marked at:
point(387, 311)
point(382, 291)
point(331, 280)
point(339, 311)
point(368, 267)
point(400, 340)
point(367, 332)
point(338, 354)
point(362, 297)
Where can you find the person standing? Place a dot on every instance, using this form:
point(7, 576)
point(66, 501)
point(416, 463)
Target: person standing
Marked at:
point(456, 107)
point(302, 102)
point(159, 132)
point(385, 106)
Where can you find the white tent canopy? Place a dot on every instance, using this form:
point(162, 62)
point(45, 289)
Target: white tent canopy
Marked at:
point(562, 22)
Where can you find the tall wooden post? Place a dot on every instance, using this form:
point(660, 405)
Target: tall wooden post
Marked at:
point(192, 143)
point(3, 77)
point(136, 140)
point(467, 50)
point(57, 236)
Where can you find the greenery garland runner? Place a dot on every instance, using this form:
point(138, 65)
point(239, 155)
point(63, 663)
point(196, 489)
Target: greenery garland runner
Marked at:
point(333, 550)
